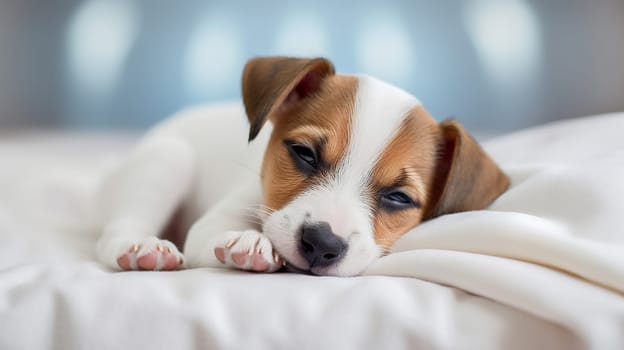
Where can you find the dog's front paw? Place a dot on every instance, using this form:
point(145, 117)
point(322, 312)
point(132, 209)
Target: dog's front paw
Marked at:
point(247, 250)
point(151, 253)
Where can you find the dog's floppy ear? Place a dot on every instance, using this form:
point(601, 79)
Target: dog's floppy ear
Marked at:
point(465, 177)
point(271, 83)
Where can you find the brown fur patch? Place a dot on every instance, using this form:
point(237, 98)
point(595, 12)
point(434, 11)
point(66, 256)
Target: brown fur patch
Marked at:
point(466, 177)
point(406, 163)
point(268, 81)
point(325, 119)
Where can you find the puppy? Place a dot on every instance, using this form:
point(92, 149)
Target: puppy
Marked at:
point(350, 165)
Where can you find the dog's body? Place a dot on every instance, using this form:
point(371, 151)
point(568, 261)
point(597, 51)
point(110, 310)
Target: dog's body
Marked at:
point(350, 165)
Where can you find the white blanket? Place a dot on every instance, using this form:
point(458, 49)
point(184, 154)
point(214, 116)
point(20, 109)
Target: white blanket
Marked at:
point(548, 257)
point(553, 245)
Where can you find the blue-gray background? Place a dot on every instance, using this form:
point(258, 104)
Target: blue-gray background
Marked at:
point(494, 64)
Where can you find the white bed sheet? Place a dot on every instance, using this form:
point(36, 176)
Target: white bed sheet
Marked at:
point(543, 268)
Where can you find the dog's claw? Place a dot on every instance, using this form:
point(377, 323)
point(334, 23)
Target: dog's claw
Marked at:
point(231, 243)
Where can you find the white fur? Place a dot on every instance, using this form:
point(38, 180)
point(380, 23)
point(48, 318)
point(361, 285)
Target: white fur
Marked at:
point(198, 160)
point(195, 160)
point(379, 111)
point(138, 198)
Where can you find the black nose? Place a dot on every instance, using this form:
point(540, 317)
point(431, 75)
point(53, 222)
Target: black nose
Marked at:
point(319, 245)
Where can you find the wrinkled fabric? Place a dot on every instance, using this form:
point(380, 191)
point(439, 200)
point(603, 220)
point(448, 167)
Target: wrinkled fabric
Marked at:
point(553, 245)
point(542, 268)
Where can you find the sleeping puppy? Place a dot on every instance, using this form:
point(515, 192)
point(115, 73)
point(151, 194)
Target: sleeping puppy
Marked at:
point(350, 165)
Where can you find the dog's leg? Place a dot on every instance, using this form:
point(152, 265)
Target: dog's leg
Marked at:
point(136, 202)
point(229, 235)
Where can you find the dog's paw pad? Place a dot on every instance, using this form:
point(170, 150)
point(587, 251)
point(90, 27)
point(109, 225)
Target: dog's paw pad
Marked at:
point(258, 263)
point(220, 254)
point(152, 254)
point(248, 250)
point(240, 259)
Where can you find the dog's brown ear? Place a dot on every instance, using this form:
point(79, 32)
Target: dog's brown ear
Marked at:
point(465, 178)
point(271, 83)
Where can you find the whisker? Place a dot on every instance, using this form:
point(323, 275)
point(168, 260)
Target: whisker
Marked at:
point(262, 211)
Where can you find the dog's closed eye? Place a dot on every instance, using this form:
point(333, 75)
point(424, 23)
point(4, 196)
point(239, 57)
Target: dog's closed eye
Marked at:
point(395, 199)
point(306, 158)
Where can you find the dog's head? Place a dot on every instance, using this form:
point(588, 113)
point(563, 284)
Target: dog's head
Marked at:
point(353, 163)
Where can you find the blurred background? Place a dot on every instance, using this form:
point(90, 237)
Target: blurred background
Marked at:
point(497, 65)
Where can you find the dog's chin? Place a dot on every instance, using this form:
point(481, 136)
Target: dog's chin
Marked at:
point(334, 270)
point(288, 267)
